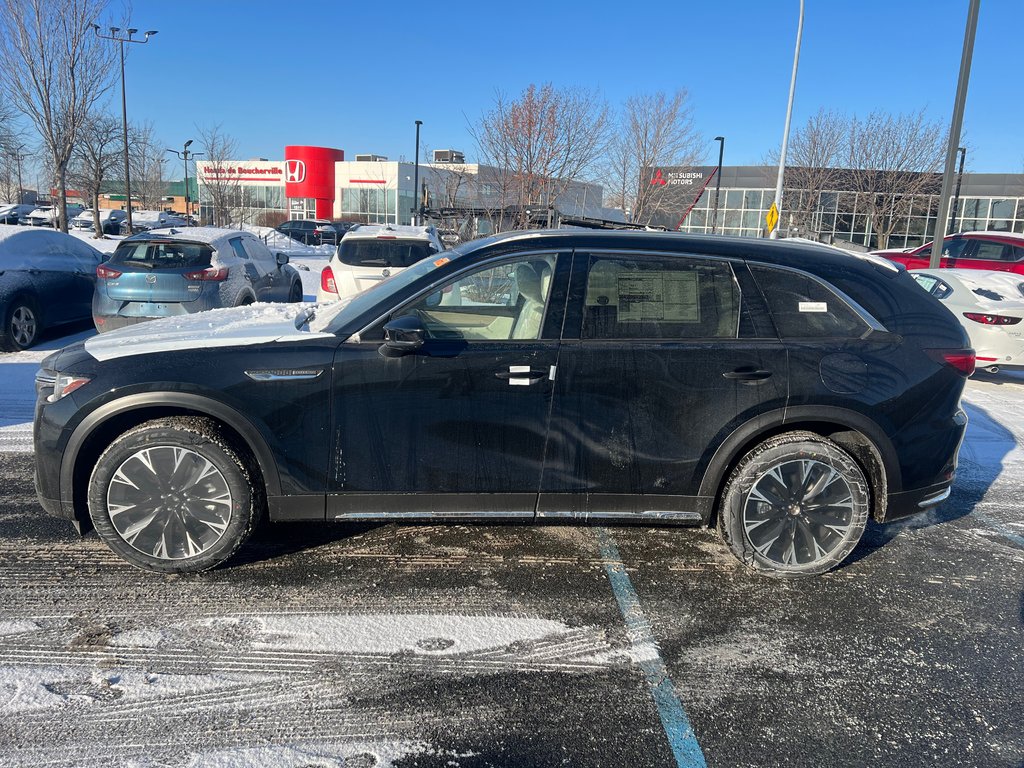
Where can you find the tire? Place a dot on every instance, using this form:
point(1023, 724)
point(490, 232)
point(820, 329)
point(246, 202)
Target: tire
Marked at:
point(796, 505)
point(174, 496)
point(244, 301)
point(22, 325)
point(295, 294)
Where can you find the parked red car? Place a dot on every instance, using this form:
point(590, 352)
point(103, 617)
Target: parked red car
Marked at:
point(1000, 251)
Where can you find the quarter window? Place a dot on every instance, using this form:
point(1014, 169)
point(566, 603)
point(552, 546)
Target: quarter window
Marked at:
point(804, 308)
point(987, 249)
point(656, 298)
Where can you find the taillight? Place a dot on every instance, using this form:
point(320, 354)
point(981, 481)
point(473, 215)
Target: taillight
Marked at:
point(327, 284)
point(984, 319)
point(963, 360)
point(210, 273)
point(104, 272)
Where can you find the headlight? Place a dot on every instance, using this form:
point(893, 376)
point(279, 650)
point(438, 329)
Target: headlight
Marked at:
point(65, 384)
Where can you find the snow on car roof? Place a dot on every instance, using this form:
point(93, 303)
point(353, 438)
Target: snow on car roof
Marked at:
point(217, 237)
point(20, 246)
point(388, 230)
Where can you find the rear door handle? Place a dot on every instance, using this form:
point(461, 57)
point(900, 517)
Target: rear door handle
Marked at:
point(523, 378)
point(748, 373)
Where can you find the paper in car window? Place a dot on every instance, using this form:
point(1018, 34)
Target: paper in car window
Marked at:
point(668, 296)
point(813, 306)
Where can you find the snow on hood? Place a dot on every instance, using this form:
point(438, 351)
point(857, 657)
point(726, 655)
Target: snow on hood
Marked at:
point(238, 326)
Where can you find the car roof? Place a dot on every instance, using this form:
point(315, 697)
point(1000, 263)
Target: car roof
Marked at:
point(804, 255)
point(1014, 237)
point(406, 231)
point(217, 237)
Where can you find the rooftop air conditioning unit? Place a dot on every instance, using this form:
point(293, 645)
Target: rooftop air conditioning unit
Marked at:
point(448, 156)
point(370, 158)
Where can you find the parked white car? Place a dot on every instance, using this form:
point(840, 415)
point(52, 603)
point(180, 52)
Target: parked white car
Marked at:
point(989, 305)
point(43, 217)
point(370, 253)
point(110, 220)
point(10, 213)
point(143, 221)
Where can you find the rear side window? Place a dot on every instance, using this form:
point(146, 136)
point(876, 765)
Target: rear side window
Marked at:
point(151, 254)
point(991, 251)
point(656, 298)
point(937, 288)
point(383, 252)
point(804, 308)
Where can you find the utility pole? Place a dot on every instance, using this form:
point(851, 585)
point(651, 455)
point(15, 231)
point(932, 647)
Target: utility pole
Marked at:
point(954, 131)
point(789, 117)
point(416, 178)
point(956, 194)
point(124, 105)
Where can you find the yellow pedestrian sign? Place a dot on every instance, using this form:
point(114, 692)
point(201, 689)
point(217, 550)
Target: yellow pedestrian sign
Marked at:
point(772, 217)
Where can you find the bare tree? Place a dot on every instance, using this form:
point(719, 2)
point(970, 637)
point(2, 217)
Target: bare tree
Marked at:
point(892, 158)
point(653, 130)
point(14, 151)
point(540, 143)
point(94, 159)
point(146, 157)
point(221, 181)
point(57, 70)
point(816, 156)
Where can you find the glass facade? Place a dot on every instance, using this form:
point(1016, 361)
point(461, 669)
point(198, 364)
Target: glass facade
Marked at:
point(841, 215)
point(376, 206)
point(252, 199)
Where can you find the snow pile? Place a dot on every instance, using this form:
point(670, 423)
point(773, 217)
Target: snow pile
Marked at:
point(276, 241)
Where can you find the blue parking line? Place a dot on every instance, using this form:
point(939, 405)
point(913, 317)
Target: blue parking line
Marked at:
point(674, 721)
point(1000, 529)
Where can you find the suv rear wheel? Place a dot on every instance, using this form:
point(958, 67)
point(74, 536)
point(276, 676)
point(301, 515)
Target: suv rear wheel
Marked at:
point(173, 495)
point(796, 505)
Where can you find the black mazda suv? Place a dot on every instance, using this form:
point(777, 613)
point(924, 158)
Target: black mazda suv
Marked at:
point(783, 392)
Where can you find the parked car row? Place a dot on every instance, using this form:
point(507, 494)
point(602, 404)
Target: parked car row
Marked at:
point(315, 231)
point(48, 278)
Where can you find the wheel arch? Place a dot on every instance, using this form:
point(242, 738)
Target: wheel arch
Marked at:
point(94, 433)
point(861, 437)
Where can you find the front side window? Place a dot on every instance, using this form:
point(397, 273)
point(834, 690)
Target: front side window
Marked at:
point(804, 308)
point(660, 298)
point(499, 303)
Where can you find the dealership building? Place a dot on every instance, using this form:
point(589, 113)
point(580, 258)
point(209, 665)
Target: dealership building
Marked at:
point(318, 182)
point(686, 201)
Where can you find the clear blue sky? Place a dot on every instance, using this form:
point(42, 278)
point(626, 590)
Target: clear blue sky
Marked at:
point(357, 75)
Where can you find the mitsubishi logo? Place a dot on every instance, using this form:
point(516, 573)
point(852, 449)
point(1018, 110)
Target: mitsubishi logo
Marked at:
point(658, 180)
point(294, 171)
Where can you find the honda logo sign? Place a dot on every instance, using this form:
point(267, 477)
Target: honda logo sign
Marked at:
point(294, 171)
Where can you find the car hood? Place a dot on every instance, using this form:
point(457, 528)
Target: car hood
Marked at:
point(239, 326)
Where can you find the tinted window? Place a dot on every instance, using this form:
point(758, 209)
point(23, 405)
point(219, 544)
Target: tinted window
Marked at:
point(804, 308)
point(383, 252)
point(951, 249)
point(986, 249)
point(236, 246)
point(162, 255)
point(657, 298)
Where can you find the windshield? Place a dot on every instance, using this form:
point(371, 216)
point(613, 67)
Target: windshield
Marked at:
point(162, 254)
point(333, 316)
point(383, 252)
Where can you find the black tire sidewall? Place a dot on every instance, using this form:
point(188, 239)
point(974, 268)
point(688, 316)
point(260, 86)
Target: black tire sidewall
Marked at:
point(207, 443)
point(759, 461)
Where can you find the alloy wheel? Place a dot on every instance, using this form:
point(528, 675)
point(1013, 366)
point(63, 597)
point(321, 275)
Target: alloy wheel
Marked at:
point(23, 326)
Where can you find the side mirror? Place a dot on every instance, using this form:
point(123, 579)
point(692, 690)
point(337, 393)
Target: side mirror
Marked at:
point(402, 336)
point(282, 259)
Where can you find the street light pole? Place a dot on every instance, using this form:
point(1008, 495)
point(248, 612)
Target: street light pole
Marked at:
point(184, 155)
point(416, 177)
point(789, 117)
point(718, 182)
point(956, 194)
point(124, 105)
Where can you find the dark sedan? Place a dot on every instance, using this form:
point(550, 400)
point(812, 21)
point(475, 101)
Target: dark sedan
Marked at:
point(784, 392)
point(46, 279)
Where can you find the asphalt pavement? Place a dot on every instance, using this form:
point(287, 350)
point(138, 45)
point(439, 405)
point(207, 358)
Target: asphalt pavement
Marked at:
point(517, 645)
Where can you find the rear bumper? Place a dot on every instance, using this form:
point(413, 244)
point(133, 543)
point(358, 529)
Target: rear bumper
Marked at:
point(909, 503)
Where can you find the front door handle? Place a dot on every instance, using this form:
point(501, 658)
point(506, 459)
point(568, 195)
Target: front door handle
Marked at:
point(748, 373)
point(522, 378)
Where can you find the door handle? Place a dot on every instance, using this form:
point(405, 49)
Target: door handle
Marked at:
point(521, 378)
point(748, 373)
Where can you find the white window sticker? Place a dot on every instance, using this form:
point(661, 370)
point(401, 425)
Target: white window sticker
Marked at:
point(813, 306)
point(650, 295)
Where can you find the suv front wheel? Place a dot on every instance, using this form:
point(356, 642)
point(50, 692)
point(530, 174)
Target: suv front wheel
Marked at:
point(796, 505)
point(173, 495)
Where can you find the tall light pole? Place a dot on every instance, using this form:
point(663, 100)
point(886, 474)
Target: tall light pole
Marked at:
point(954, 130)
point(124, 104)
point(416, 177)
point(718, 182)
point(789, 117)
point(956, 194)
point(184, 155)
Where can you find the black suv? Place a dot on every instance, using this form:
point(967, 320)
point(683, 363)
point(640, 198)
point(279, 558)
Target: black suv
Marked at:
point(783, 392)
point(303, 230)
